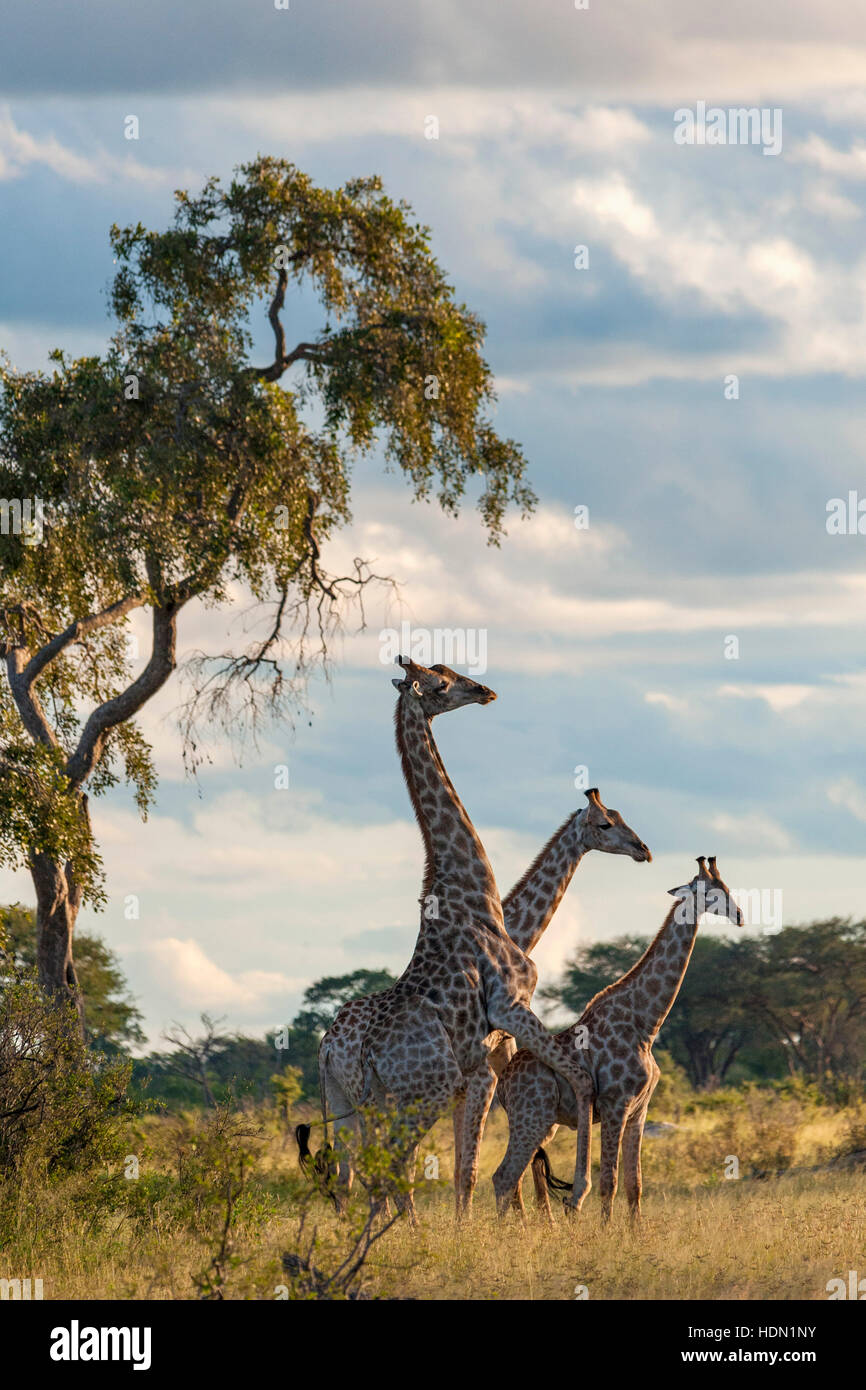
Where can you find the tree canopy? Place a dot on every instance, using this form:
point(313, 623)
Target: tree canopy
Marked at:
point(178, 467)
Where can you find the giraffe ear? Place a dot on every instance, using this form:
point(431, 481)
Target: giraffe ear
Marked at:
point(596, 813)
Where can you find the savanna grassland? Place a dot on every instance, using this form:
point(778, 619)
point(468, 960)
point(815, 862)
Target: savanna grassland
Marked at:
point(218, 1201)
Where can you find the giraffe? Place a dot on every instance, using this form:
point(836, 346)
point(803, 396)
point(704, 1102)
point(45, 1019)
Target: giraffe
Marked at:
point(341, 1072)
point(528, 910)
point(427, 1040)
point(615, 1035)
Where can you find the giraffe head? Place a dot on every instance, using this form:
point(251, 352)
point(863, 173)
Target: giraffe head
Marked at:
point(707, 892)
point(606, 830)
point(439, 688)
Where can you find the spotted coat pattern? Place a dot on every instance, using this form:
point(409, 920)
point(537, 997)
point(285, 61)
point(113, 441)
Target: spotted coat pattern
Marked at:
point(425, 1043)
point(614, 1036)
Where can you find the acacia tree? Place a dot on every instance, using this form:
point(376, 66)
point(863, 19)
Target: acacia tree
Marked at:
point(810, 993)
point(176, 467)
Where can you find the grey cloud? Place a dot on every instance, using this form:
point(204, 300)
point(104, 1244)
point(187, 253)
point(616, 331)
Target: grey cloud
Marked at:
point(99, 46)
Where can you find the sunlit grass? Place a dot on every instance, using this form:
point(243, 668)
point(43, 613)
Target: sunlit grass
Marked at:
point(703, 1236)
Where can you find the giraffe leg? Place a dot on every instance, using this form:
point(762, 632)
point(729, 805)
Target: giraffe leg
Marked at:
point(583, 1154)
point(337, 1103)
point(517, 1200)
point(459, 1108)
point(612, 1124)
point(631, 1146)
point(542, 1192)
point(406, 1200)
point(529, 1096)
point(508, 1177)
point(415, 1078)
point(477, 1099)
point(531, 1034)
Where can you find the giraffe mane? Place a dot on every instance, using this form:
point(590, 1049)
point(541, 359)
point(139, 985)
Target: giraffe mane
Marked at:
point(522, 882)
point(409, 779)
point(630, 974)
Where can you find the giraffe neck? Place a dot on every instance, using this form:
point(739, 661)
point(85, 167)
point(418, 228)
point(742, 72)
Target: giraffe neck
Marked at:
point(649, 989)
point(530, 905)
point(456, 858)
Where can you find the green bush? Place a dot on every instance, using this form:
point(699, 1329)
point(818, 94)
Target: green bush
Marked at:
point(63, 1107)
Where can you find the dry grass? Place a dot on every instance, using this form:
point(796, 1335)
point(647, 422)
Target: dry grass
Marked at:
point(703, 1236)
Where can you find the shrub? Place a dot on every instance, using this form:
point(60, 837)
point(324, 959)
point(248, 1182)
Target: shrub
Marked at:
point(62, 1107)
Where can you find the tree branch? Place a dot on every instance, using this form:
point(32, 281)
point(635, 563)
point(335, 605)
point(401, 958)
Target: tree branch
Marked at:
point(283, 360)
point(27, 702)
point(82, 627)
point(117, 710)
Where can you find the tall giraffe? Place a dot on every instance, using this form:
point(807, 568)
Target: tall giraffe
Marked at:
point(528, 910)
point(615, 1036)
point(466, 978)
point(341, 1073)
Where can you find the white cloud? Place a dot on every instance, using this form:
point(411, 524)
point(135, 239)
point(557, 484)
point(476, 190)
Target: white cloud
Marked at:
point(523, 119)
point(752, 832)
point(188, 979)
point(849, 795)
point(825, 201)
point(674, 704)
point(846, 164)
point(19, 150)
point(819, 309)
point(780, 697)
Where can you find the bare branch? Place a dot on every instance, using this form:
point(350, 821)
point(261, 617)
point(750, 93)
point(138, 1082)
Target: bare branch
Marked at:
point(273, 671)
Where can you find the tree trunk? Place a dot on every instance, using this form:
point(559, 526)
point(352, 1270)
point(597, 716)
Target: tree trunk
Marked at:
point(57, 903)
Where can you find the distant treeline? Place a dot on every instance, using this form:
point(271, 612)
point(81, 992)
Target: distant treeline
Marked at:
point(752, 1008)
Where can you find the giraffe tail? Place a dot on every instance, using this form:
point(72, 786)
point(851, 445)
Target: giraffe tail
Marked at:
point(541, 1163)
point(319, 1166)
point(302, 1139)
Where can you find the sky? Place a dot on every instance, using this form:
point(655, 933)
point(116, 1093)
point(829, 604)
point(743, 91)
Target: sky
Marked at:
point(698, 646)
